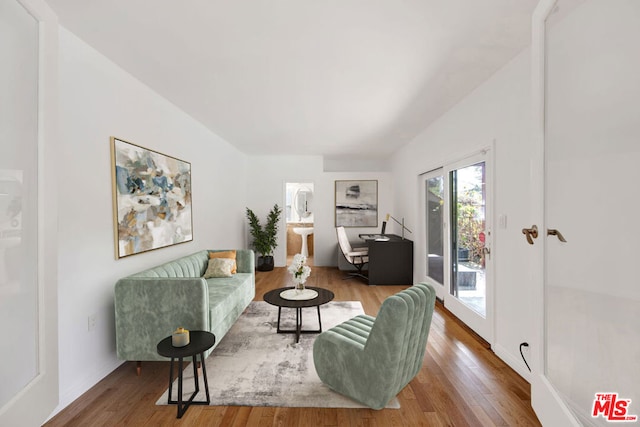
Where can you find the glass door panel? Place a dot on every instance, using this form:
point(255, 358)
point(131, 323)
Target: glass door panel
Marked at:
point(434, 219)
point(457, 238)
point(468, 236)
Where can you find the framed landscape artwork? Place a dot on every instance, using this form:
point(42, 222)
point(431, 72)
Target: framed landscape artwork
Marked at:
point(357, 203)
point(151, 199)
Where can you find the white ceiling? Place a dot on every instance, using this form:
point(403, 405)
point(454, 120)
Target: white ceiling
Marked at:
point(329, 77)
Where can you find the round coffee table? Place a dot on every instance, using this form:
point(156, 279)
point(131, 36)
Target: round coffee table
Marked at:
point(273, 297)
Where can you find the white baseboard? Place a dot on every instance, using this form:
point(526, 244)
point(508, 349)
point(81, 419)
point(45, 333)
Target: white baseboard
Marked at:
point(548, 405)
point(515, 363)
point(68, 396)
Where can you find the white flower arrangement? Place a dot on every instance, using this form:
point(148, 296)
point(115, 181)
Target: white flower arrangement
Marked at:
point(299, 270)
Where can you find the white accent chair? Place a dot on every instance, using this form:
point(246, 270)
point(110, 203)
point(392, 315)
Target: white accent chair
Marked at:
point(358, 257)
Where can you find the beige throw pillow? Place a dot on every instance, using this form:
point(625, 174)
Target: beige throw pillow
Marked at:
point(225, 254)
point(219, 267)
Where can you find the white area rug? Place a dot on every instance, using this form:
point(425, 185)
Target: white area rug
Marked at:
point(255, 366)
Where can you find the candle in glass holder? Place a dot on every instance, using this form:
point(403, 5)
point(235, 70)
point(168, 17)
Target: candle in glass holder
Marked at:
point(180, 337)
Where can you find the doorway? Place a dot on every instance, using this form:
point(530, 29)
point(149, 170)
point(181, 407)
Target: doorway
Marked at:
point(299, 220)
point(458, 239)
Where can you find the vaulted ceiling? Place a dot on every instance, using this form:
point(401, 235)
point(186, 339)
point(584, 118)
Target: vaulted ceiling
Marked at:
point(328, 77)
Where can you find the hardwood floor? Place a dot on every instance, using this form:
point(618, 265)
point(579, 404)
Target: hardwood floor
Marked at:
point(461, 383)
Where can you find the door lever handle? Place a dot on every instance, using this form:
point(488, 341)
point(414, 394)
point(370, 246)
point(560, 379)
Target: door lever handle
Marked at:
point(531, 233)
point(554, 232)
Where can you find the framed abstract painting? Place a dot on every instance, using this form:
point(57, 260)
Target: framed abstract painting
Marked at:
point(357, 203)
point(151, 199)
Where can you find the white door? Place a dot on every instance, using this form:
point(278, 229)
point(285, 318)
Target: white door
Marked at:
point(458, 239)
point(591, 202)
point(28, 214)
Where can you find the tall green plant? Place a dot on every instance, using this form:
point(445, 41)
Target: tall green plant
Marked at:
point(265, 240)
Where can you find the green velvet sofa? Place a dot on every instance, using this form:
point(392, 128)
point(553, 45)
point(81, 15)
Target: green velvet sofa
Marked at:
point(151, 304)
point(371, 359)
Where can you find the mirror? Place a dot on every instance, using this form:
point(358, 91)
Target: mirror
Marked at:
point(303, 202)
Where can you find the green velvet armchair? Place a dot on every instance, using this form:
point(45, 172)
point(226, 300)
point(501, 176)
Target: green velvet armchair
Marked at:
point(371, 359)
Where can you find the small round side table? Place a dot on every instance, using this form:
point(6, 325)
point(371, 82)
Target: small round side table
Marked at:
point(200, 341)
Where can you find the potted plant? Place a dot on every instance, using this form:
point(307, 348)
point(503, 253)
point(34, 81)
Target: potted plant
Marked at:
point(265, 239)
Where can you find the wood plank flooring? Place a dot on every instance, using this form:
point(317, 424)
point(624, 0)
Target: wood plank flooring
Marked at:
point(462, 383)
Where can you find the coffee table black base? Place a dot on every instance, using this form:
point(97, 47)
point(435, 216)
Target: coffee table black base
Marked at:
point(273, 297)
point(298, 330)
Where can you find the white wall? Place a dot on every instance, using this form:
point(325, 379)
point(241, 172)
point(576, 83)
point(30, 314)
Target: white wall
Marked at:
point(496, 112)
point(99, 100)
point(267, 178)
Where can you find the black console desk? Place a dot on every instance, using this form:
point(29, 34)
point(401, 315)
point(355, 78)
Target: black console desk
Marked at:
point(390, 259)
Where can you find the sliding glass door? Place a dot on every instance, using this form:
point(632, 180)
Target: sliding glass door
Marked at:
point(458, 239)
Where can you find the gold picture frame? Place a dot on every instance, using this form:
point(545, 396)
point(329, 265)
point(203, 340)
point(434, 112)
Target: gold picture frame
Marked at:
point(152, 200)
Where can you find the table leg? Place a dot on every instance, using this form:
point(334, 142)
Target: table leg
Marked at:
point(204, 376)
point(169, 400)
point(195, 375)
point(279, 313)
point(181, 409)
point(298, 329)
point(298, 323)
point(183, 406)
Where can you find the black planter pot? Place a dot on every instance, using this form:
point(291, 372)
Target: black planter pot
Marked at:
point(265, 263)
